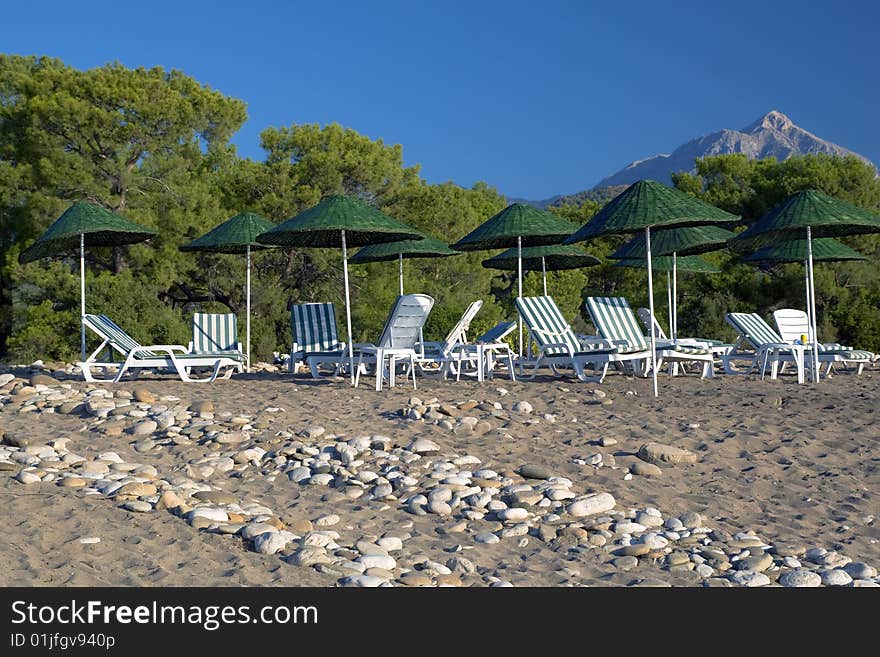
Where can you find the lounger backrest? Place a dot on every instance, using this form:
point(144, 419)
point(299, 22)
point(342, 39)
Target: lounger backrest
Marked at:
point(649, 320)
point(314, 327)
point(497, 333)
point(753, 328)
point(458, 334)
point(405, 321)
point(214, 332)
point(547, 325)
point(107, 329)
point(614, 320)
point(791, 323)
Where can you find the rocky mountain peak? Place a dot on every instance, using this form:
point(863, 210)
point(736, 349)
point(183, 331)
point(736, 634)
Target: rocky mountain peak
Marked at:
point(772, 120)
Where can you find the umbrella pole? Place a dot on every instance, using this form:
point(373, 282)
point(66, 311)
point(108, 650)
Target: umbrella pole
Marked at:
point(347, 308)
point(807, 291)
point(400, 268)
point(812, 318)
point(544, 274)
point(675, 297)
point(82, 295)
point(668, 304)
point(519, 281)
point(651, 304)
point(248, 302)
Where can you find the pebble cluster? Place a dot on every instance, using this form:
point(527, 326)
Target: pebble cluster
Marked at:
point(475, 505)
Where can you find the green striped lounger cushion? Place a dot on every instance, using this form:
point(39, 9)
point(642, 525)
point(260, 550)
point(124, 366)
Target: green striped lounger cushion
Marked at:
point(314, 328)
point(215, 332)
point(615, 320)
point(547, 325)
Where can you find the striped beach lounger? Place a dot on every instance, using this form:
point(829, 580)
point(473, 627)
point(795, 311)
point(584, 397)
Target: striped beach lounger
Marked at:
point(315, 340)
point(439, 354)
point(138, 357)
point(557, 344)
point(792, 324)
point(216, 333)
point(758, 345)
point(616, 322)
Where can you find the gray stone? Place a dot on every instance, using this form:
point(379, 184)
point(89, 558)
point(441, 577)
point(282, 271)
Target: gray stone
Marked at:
point(591, 505)
point(659, 453)
point(272, 542)
point(215, 497)
point(138, 506)
point(26, 477)
point(645, 469)
point(757, 563)
point(423, 446)
point(534, 472)
point(314, 431)
point(363, 581)
point(625, 563)
point(309, 556)
point(749, 578)
point(860, 570)
point(691, 520)
point(800, 578)
point(201, 407)
point(438, 507)
point(486, 537)
point(836, 577)
point(522, 407)
point(383, 561)
point(144, 428)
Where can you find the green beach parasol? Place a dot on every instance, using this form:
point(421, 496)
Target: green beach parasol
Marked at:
point(808, 214)
point(693, 264)
point(426, 247)
point(824, 248)
point(687, 240)
point(85, 224)
point(237, 235)
point(517, 225)
point(554, 257)
point(339, 221)
point(672, 265)
point(644, 205)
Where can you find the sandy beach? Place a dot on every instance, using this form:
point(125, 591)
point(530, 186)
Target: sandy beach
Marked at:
point(269, 479)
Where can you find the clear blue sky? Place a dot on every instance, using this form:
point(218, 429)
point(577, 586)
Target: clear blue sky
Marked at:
point(536, 98)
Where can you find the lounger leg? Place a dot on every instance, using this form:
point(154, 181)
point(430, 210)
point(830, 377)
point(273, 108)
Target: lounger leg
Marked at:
point(122, 370)
point(313, 368)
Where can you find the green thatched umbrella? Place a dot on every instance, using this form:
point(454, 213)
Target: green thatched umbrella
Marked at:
point(339, 221)
point(808, 214)
point(671, 264)
point(664, 263)
point(688, 240)
point(426, 247)
point(85, 224)
point(517, 225)
point(644, 205)
point(236, 235)
point(825, 249)
point(554, 257)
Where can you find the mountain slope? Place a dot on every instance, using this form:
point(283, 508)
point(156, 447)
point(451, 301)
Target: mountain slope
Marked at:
point(772, 135)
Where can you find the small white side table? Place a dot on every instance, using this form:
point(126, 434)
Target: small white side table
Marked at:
point(393, 354)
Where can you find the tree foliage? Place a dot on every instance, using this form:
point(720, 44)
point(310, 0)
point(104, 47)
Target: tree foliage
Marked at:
point(154, 146)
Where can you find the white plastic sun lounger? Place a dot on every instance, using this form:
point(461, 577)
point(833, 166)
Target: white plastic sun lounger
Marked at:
point(138, 357)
